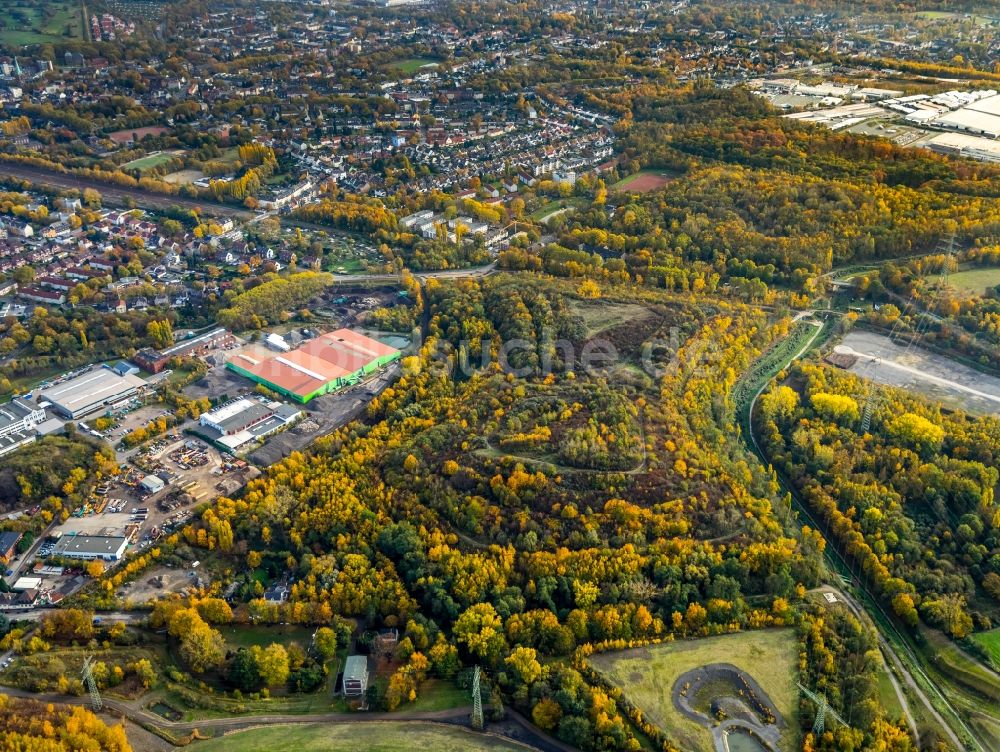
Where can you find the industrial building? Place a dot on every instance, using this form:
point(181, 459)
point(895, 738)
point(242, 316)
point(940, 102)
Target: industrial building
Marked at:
point(87, 547)
point(155, 361)
point(152, 484)
point(243, 420)
point(99, 389)
point(18, 419)
point(321, 366)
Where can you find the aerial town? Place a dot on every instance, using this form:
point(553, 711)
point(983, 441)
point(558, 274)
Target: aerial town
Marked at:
point(500, 375)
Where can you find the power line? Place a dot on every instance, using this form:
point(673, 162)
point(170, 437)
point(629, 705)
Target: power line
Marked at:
point(822, 710)
point(873, 396)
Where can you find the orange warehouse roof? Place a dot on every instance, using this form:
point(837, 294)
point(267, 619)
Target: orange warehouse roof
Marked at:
point(318, 362)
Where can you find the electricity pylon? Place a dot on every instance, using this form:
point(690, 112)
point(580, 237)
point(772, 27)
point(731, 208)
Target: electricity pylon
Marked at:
point(822, 709)
point(88, 679)
point(477, 701)
point(872, 399)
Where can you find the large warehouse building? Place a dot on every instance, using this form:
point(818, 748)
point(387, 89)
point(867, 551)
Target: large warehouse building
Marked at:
point(244, 420)
point(99, 389)
point(323, 365)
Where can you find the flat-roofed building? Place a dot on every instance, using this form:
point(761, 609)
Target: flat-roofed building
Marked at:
point(246, 420)
point(88, 547)
point(321, 366)
point(972, 121)
point(235, 416)
point(18, 420)
point(99, 389)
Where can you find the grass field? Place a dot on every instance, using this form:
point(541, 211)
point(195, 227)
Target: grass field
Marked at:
point(148, 162)
point(389, 736)
point(24, 23)
point(948, 658)
point(976, 280)
point(601, 316)
point(245, 637)
point(346, 266)
point(937, 15)
point(647, 676)
point(888, 698)
point(991, 642)
point(551, 208)
point(643, 181)
point(411, 65)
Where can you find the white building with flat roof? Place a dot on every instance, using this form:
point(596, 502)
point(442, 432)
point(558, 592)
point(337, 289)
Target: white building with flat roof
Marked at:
point(18, 419)
point(88, 547)
point(98, 389)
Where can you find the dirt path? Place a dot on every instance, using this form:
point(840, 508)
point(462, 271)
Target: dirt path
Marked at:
point(133, 710)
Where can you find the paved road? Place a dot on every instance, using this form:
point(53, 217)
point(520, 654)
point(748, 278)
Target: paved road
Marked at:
point(115, 194)
point(919, 373)
point(467, 272)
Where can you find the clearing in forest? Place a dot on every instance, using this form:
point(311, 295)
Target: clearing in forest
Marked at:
point(647, 676)
point(643, 181)
point(976, 281)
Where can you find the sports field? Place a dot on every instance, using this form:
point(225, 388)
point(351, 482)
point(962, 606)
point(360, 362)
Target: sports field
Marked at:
point(389, 736)
point(937, 15)
point(643, 181)
point(23, 22)
point(647, 676)
point(148, 162)
point(411, 65)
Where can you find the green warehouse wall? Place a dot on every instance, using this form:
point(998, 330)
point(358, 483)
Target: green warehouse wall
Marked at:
point(328, 388)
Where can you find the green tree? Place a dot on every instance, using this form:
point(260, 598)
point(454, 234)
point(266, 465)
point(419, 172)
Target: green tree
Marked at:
point(326, 642)
point(242, 671)
point(203, 648)
point(481, 630)
point(272, 664)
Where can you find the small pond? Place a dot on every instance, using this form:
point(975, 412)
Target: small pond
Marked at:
point(741, 741)
point(161, 708)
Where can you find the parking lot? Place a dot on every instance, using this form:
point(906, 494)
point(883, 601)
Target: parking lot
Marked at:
point(219, 384)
